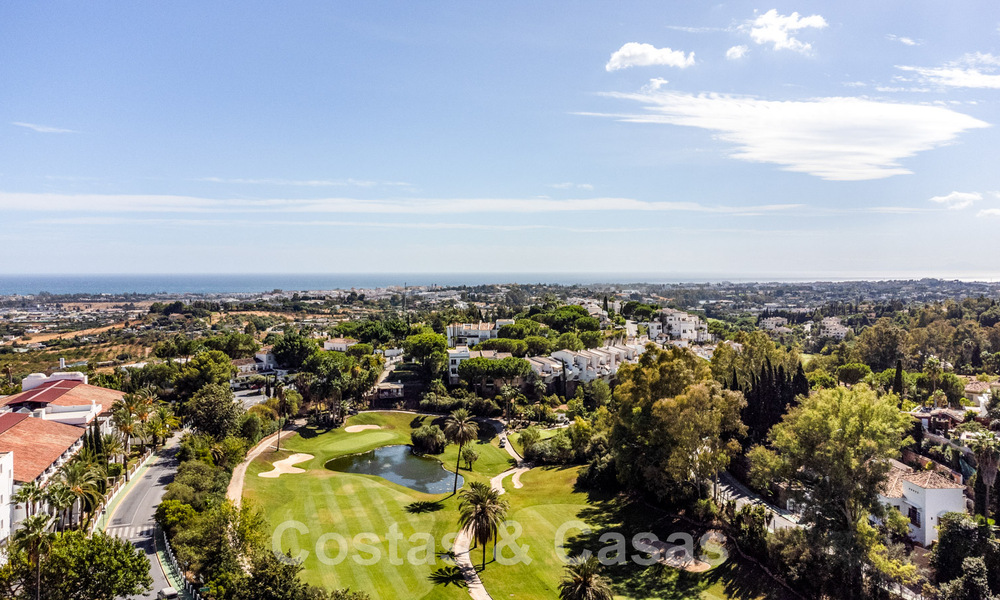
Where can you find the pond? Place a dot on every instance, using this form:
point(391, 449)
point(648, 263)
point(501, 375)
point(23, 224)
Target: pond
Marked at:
point(399, 465)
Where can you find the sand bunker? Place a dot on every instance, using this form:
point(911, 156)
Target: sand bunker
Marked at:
point(357, 428)
point(285, 465)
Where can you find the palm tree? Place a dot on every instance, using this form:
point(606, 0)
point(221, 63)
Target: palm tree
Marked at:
point(35, 538)
point(288, 404)
point(82, 481)
point(460, 429)
point(29, 494)
point(60, 499)
point(583, 581)
point(987, 449)
point(114, 447)
point(163, 422)
point(126, 423)
point(481, 511)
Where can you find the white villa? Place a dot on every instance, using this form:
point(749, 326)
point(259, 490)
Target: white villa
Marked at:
point(339, 344)
point(923, 496)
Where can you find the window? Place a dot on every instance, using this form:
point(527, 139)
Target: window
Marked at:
point(914, 515)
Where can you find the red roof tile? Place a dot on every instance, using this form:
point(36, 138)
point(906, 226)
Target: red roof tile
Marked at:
point(66, 393)
point(36, 443)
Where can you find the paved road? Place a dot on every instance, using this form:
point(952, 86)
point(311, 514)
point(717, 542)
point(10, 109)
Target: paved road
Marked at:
point(730, 488)
point(250, 397)
point(133, 518)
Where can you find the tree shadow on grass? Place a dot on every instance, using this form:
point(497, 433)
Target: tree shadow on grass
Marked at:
point(424, 506)
point(309, 432)
point(741, 580)
point(446, 576)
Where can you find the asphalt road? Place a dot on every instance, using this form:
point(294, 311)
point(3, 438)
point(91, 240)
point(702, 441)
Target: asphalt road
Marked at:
point(133, 518)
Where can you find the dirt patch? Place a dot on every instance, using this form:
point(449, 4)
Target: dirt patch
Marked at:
point(677, 557)
point(357, 428)
point(285, 466)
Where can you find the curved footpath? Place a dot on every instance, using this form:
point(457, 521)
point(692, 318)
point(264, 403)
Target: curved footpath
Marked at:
point(463, 541)
point(235, 490)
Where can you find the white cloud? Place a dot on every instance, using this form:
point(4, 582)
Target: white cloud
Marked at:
point(737, 52)
point(903, 40)
point(846, 139)
point(775, 29)
point(654, 84)
point(958, 200)
point(989, 212)
point(568, 185)
point(42, 128)
point(44, 202)
point(182, 222)
point(687, 29)
point(974, 70)
point(634, 54)
point(307, 182)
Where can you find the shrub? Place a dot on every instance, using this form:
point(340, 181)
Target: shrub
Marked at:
point(429, 439)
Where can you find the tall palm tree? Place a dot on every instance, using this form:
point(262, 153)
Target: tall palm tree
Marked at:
point(460, 429)
point(60, 499)
point(114, 447)
point(29, 494)
point(82, 481)
point(481, 511)
point(987, 450)
point(35, 538)
point(583, 581)
point(126, 423)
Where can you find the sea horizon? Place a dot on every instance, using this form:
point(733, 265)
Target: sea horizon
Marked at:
point(251, 283)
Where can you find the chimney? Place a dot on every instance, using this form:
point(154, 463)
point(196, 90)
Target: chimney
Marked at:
point(62, 363)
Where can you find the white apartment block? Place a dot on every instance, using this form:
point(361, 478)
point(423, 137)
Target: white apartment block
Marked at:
point(676, 325)
point(462, 353)
point(772, 323)
point(587, 365)
point(6, 491)
point(470, 334)
point(831, 327)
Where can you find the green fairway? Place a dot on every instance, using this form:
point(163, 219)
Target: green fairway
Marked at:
point(335, 504)
point(549, 501)
point(515, 438)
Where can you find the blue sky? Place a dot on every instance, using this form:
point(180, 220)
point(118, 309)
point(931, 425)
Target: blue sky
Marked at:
point(795, 139)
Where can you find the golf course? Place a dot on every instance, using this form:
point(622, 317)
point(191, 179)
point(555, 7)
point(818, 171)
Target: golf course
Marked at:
point(363, 532)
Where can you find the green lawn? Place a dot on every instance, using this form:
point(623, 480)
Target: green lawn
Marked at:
point(548, 500)
point(327, 502)
point(515, 438)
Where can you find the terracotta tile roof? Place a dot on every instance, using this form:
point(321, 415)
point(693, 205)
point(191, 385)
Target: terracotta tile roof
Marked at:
point(931, 480)
point(244, 361)
point(66, 393)
point(978, 387)
point(36, 443)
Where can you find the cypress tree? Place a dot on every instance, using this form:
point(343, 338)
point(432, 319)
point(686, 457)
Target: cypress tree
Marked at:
point(98, 440)
point(800, 383)
point(897, 381)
